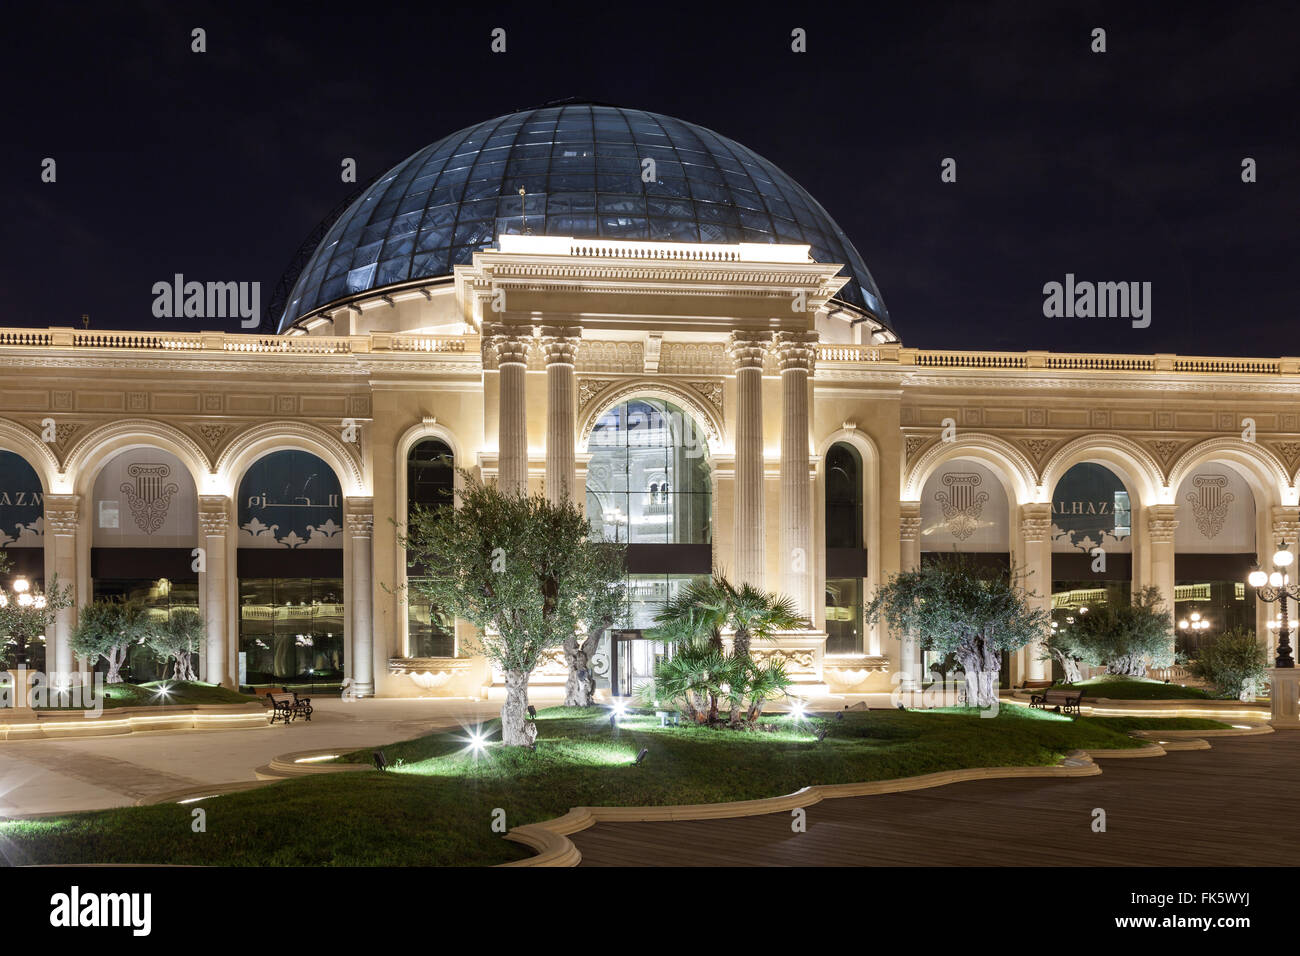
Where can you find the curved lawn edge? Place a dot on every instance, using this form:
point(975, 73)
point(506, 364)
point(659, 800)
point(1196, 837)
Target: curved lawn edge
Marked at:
point(553, 848)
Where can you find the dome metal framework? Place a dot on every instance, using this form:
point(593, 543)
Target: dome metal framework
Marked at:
point(581, 168)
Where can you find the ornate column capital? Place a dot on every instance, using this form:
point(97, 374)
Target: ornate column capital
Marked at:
point(909, 521)
point(1286, 525)
point(359, 516)
point(505, 344)
point(1035, 522)
point(1162, 522)
point(214, 515)
point(62, 513)
point(748, 349)
point(796, 350)
point(560, 343)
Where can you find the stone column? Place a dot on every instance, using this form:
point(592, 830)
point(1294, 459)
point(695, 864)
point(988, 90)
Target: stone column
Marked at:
point(214, 525)
point(560, 344)
point(1162, 522)
point(747, 351)
point(62, 515)
point(909, 559)
point(1035, 536)
point(509, 347)
point(360, 518)
point(796, 355)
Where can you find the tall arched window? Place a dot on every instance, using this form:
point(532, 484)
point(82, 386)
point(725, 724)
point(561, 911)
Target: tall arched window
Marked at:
point(430, 483)
point(846, 559)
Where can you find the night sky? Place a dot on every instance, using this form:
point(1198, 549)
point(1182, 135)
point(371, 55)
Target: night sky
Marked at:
point(1122, 166)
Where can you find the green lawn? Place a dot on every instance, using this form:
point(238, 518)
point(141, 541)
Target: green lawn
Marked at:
point(168, 693)
point(1134, 688)
point(435, 807)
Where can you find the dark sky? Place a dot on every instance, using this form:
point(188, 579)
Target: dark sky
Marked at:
point(1122, 166)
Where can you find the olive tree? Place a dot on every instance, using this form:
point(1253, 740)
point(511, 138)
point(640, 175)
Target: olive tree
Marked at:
point(107, 627)
point(527, 572)
point(26, 612)
point(176, 640)
point(957, 608)
point(1127, 637)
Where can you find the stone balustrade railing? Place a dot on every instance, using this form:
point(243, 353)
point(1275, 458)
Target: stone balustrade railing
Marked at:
point(113, 340)
point(897, 355)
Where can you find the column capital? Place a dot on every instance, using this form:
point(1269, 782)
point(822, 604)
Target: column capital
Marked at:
point(1035, 522)
point(214, 515)
point(506, 344)
point(909, 521)
point(62, 513)
point(359, 516)
point(1286, 525)
point(1162, 522)
point(748, 349)
point(560, 343)
point(796, 350)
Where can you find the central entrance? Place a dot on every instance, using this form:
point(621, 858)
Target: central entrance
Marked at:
point(649, 485)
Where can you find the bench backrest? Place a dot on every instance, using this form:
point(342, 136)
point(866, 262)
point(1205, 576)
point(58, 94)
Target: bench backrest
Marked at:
point(280, 696)
point(1063, 696)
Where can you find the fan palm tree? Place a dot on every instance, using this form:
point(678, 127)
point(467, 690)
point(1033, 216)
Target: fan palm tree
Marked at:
point(753, 612)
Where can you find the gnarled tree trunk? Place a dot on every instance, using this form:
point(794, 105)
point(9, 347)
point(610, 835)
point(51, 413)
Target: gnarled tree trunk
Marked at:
point(982, 664)
point(580, 684)
point(516, 729)
point(1130, 665)
point(116, 657)
point(1069, 666)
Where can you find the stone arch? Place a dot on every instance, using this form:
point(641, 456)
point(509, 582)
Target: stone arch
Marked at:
point(1129, 460)
point(871, 533)
point(1263, 471)
point(703, 412)
point(254, 443)
point(101, 444)
point(36, 453)
point(1004, 459)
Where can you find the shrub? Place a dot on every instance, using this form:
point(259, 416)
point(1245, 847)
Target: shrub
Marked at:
point(1233, 663)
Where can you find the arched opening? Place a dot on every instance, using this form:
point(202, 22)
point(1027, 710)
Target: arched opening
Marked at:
point(290, 561)
point(22, 532)
point(430, 483)
point(1092, 543)
point(965, 507)
point(144, 521)
point(1214, 551)
point(649, 485)
point(846, 558)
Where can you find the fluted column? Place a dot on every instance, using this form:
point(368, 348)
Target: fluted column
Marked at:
point(214, 525)
point(796, 356)
point(1162, 522)
point(747, 350)
point(510, 349)
point(1035, 536)
point(361, 524)
point(62, 515)
point(909, 559)
point(560, 344)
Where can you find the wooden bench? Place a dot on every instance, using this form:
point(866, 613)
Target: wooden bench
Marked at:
point(1066, 701)
point(286, 705)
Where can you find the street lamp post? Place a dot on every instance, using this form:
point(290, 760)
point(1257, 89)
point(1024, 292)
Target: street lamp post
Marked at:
point(1276, 586)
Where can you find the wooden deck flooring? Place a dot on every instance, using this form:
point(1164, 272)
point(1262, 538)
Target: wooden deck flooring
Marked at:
point(1233, 805)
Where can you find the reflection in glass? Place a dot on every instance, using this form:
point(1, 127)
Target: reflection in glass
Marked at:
point(291, 629)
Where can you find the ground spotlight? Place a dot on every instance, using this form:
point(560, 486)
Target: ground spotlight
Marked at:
point(641, 756)
point(796, 711)
point(532, 711)
point(381, 762)
point(477, 742)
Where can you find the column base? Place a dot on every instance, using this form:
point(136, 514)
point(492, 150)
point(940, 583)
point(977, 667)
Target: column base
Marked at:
point(1286, 698)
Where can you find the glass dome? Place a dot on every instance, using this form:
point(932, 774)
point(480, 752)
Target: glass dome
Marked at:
point(581, 168)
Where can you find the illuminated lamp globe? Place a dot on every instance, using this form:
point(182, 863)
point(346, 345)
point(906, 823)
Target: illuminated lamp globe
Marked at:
point(1257, 578)
point(1283, 559)
point(24, 600)
point(1275, 579)
point(20, 585)
point(1182, 625)
point(39, 602)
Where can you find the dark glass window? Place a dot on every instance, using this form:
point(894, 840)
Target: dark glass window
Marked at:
point(844, 616)
point(430, 474)
point(843, 497)
point(291, 631)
